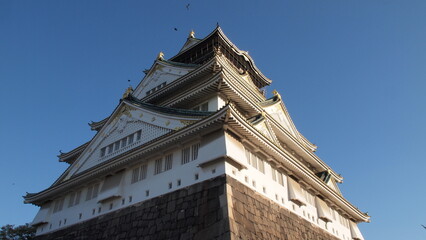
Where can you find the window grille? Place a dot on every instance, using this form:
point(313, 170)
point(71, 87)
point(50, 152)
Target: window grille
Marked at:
point(135, 175)
point(185, 155)
point(158, 166)
point(169, 162)
point(143, 172)
point(195, 148)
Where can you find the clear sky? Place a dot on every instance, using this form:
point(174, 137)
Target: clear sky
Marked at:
point(352, 74)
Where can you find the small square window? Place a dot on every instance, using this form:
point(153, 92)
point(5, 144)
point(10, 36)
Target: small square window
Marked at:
point(253, 183)
point(196, 176)
point(179, 182)
point(99, 210)
point(110, 206)
point(123, 201)
point(130, 199)
point(170, 185)
point(80, 216)
point(123, 142)
point(147, 193)
point(264, 189)
point(213, 170)
point(246, 179)
point(93, 211)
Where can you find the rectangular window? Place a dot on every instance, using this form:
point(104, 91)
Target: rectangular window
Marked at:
point(89, 193)
point(110, 148)
point(92, 191)
point(169, 162)
point(131, 138)
point(143, 172)
point(138, 135)
point(158, 166)
point(74, 199)
point(77, 198)
point(135, 175)
point(185, 155)
point(253, 160)
point(95, 190)
point(123, 142)
point(71, 201)
point(205, 107)
point(139, 173)
point(116, 145)
point(248, 156)
point(195, 148)
point(280, 179)
point(58, 205)
point(102, 152)
point(261, 165)
point(274, 174)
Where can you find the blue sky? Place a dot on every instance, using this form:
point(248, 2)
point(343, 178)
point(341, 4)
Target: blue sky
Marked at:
point(352, 74)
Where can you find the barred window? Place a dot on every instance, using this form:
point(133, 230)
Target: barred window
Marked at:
point(123, 142)
point(131, 138)
point(169, 162)
point(195, 148)
point(261, 165)
point(58, 205)
point(280, 179)
point(143, 172)
point(74, 199)
point(248, 156)
point(274, 174)
point(253, 160)
point(205, 107)
point(158, 166)
point(102, 152)
point(138, 135)
point(185, 155)
point(135, 175)
point(92, 191)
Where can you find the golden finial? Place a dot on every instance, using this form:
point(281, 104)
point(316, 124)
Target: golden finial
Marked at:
point(275, 92)
point(160, 56)
point(191, 34)
point(128, 91)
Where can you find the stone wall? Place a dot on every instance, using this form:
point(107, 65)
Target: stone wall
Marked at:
point(195, 212)
point(220, 208)
point(252, 216)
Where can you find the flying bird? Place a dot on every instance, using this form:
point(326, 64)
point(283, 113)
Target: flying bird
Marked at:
point(175, 29)
point(187, 6)
point(423, 226)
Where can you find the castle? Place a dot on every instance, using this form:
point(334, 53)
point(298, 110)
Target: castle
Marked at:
point(196, 151)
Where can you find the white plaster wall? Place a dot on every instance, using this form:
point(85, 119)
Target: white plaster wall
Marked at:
point(275, 191)
point(213, 146)
point(156, 184)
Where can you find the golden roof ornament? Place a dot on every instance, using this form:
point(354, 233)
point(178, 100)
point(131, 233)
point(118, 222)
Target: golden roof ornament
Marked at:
point(160, 56)
point(275, 92)
point(128, 91)
point(191, 34)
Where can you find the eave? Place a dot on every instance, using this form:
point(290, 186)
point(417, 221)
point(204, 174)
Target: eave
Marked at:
point(218, 41)
point(129, 158)
point(293, 166)
point(72, 155)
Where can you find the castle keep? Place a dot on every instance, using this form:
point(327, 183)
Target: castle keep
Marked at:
point(197, 151)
